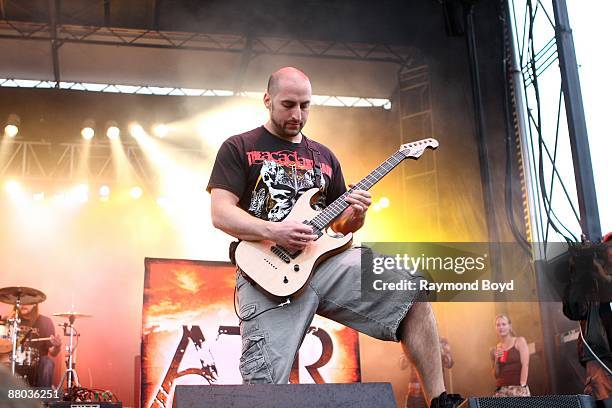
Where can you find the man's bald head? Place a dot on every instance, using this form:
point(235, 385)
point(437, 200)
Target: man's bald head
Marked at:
point(288, 101)
point(285, 74)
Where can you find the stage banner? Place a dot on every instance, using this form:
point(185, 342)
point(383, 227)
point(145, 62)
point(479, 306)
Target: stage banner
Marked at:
point(191, 335)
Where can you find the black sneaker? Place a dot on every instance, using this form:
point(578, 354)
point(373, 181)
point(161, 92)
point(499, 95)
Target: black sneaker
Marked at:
point(445, 400)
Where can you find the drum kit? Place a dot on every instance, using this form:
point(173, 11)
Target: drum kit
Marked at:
point(21, 342)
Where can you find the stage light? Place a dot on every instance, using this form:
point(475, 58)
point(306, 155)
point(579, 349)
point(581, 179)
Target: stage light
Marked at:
point(59, 198)
point(11, 130)
point(163, 202)
point(80, 193)
point(112, 131)
point(376, 207)
point(12, 125)
point(39, 196)
point(13, 188)
point(384, 202)
point(137, 131)
point(160, 130)
point(104, 191)
point(88, 131)
point(136, 192)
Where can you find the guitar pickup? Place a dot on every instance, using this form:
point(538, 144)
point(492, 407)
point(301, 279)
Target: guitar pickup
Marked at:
point(281, 253)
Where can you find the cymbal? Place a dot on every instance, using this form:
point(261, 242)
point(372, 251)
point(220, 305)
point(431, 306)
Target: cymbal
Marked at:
point(72, 314)
point(25, 295)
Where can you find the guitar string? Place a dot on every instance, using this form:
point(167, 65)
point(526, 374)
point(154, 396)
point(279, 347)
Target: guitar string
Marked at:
point(339, 205)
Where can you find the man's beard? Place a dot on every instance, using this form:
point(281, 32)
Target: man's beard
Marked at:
point(282, 127)
point(31, 316)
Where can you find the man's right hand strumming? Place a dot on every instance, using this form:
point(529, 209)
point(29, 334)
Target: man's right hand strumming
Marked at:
point(290, 234)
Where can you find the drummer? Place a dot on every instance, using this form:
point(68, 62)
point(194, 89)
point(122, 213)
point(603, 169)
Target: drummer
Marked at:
point(46, 349)
point(34, 326)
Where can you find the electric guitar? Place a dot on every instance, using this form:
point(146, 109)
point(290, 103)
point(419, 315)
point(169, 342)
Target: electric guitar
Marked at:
point(282, 272)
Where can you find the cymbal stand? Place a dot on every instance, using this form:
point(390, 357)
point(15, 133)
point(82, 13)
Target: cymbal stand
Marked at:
point(70, 375)
point(16, 323)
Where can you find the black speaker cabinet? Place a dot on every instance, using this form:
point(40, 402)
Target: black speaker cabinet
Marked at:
point(354, 395)
point(545, 401)
point(84, 404)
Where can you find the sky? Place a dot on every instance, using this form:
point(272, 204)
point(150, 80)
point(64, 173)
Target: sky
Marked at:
point(590, 21)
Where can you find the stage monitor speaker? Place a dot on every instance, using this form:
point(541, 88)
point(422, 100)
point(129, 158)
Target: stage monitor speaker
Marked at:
point(84, 404)
point(543, 401)
point(354, 395)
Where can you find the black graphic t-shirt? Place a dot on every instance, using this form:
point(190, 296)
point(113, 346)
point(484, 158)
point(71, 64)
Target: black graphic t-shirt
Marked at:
point(268, 174)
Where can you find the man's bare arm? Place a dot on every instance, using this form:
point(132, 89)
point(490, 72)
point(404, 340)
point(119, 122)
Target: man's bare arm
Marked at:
point(233, 220)
point(229, 218)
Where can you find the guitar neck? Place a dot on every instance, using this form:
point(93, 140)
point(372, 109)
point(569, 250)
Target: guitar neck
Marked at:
point(326, 216)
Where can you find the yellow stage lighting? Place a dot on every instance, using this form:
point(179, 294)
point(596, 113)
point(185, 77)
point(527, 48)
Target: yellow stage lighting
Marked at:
point(384, 202)
point(59, 198)
point(376, 207)
point(136, 192)
point(160, 130)
point(113, 132)
point(104, 191)
point(11, 130)
point(163, 202)
point(12, 125)
point(79, 194)
point(88, 133)
point(137, 131)
point(13, 188)
point(87, 130)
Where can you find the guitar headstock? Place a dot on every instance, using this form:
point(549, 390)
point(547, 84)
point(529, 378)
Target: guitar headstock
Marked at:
point(415, 149)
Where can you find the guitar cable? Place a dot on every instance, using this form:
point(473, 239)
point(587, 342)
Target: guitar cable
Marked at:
point(283, 304)
point(592, 352)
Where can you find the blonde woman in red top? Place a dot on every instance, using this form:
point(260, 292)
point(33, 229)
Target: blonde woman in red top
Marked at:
point(510, 358)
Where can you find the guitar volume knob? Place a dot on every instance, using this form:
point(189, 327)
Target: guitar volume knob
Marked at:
point(296, 267)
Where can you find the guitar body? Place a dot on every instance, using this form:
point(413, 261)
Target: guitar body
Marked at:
point(275, 275)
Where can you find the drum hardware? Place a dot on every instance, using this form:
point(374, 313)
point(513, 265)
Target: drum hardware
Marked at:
point(70, 375)
point(5, 338)
point(40, 339)
point(18, 296)
point(25, 295)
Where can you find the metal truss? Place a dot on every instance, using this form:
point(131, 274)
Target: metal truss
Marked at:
point(541, 38)
point(416, 122)
point(255, 46)
point(75, 162)
point(538, 92)
point(317, 100)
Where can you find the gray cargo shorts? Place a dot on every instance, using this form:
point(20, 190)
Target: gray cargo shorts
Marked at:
point(271, 340)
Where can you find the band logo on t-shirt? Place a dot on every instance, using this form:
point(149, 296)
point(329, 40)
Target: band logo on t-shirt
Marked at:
point(285, 158)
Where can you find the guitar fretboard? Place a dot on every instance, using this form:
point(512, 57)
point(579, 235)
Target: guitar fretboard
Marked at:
point(326, 216)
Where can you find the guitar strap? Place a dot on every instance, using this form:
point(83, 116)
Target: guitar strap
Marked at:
point(317, 163)
point(318, 174)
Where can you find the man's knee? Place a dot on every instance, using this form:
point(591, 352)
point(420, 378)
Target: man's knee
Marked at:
point(419, 314)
